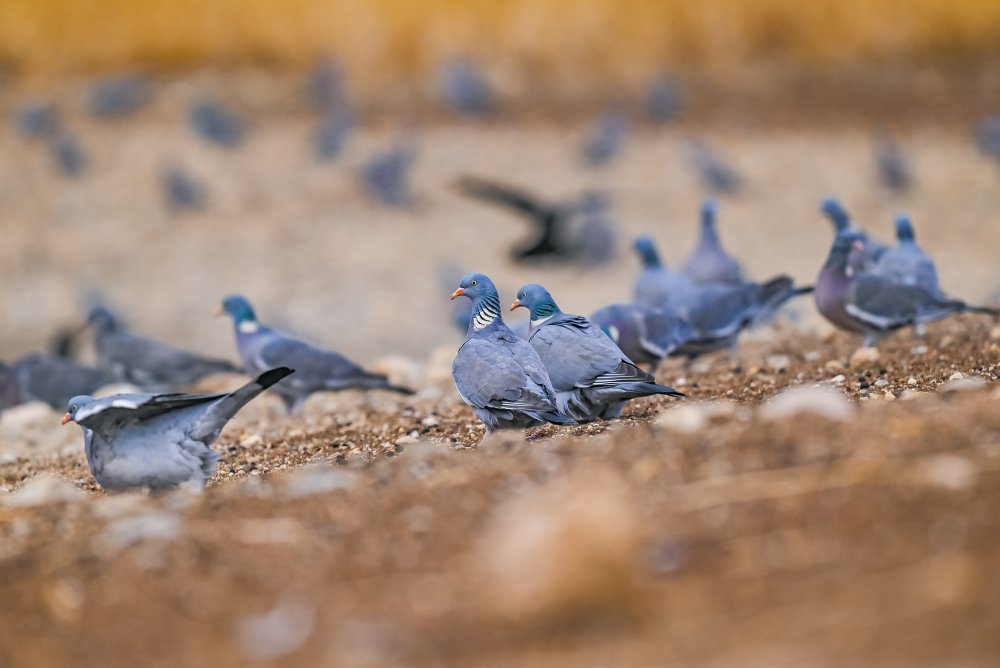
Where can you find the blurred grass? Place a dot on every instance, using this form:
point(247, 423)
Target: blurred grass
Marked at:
point(392, 39)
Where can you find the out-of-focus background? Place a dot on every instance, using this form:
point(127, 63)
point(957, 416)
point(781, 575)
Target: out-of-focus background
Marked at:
point(156, 156)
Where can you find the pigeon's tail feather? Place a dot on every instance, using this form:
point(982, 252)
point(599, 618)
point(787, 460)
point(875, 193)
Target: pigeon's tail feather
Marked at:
point(218, 414)
point(984, 310)
point(625, 391)
point(550, 416)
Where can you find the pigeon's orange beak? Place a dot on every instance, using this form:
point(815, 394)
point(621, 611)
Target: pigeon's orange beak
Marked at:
point(66, 418)
point(517, 302)
point(457, 293)
point(219, 311)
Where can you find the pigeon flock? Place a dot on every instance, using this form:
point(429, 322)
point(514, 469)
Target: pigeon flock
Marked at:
point(562, 369)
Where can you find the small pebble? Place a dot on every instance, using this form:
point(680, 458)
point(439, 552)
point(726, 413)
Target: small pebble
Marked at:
point(838, 379)
point(956, 376)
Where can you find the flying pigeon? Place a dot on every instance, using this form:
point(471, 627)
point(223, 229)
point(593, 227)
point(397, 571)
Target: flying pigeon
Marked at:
point(158, 440)
point(841, 221)
point(216, 124)
point(497, 373)
point(386, 175)
point(646, 335)
point(118, 96)
point(576, 231)
point(663, 101)
point(874, 305)
point(182, 191)
point(149, 364)
point(907, 264)
point(604, 142)
point(709, 263)
point(658, 286)
point(715, 174)
point(51, 380)
point(464, 88)
point(319, 370)
point(894, 171)
point(591, 376)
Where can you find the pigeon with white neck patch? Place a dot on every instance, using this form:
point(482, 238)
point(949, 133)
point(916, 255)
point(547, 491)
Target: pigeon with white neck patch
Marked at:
point(591, 376)
point(498, 373)
point(318, 370)
point(645, 334)
point(158, 440)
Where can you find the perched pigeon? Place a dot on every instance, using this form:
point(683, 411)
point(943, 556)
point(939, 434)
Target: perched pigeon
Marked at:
point(332, 134)
point(907, 263)
point(386, 175)
point(604, 142)
point(715, 174)
point(646, 335)
point(182, 191)
point(591, 376)
point(874, 305)
point(325, 85)
point(149, 364)
point(68, 154)
point(577, 231)
point(37, 120)
point(894, 171)
point(464, 88)
point(158, 440)
point(318, 370)
point(216, 124)
point(497, 373)
point(709, 263)
point(119, 96)
point(658, 286)
point(52, 380)
point(841, 221)
point(663, 101)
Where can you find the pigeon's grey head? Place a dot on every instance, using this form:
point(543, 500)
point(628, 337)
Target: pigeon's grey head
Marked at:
point(646, 250)
point(904, 228)
point(102, 319)
point(476, 286)
point(237, 308)
point(76, 405)
point(837, 214)
point(537, 300)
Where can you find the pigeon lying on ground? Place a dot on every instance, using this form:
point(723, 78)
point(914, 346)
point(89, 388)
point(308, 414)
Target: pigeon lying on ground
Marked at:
point(646, 335)
point(576, 231)
point(605, 140)
point(149, 364)
point(51, 380)
point(709, 263)
point(319, 370)
point(867, 303)
point(498, 373)
point(158, 440)
point(907, 263)
point(591, 376)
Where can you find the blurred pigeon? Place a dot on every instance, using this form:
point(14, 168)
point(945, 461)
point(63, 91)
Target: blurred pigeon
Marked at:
point(464, 88)
point(332, 134)
point(988, 137)
point(663, 100)
point(658, 286)
point(182, 191)
point(318, 370)
point(325, 85)
point(709, 263)
point(386, 175)
point(158, 440)
point(874, 305)
point(216, 124)
point(68, 154)
point(591, 376)
point(497, 373)
point(894, 171)
point(715, 174)
point(907, 263)
point(37, 120)
point(576, 231)
point(841, 221)
point(119, 96)
point(646, 335)
point(604, 142)
point(52, 380)
point(149, 364)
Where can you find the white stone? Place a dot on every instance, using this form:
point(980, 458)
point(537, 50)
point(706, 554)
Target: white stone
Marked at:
point(823, 401)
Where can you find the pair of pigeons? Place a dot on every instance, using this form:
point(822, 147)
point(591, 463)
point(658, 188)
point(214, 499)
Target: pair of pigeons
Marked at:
point(566, 372)
point(164, 440)
point(870, 289)
point(701, 308)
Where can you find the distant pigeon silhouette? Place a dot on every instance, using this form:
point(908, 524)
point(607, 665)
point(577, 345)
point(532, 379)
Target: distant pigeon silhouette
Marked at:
point(51, 380)
point(183, 191)
point(386, 175)
point(709, 263)
point(987, 137)
point(216, 124)
point(118, 96)
point(894, 171)
point(37, 120)
point(331, 134)
point(68, 155)
point(605, 140)
point(663, 100)
point(715, 175)
point(657, 286)
point(464, 88)
point(325, 85)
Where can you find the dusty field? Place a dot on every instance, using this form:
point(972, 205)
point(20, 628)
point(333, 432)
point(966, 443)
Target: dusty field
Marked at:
point(720, 530)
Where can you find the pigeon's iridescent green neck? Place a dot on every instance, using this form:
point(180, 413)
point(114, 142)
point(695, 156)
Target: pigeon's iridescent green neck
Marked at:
point(543, 310)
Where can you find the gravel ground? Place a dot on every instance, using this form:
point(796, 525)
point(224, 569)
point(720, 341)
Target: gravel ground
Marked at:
point(851, 520)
